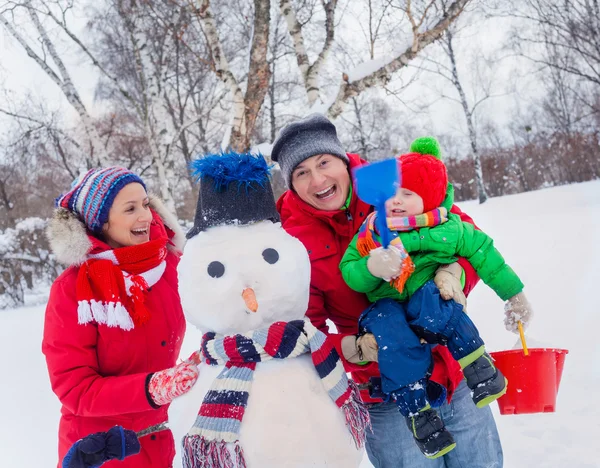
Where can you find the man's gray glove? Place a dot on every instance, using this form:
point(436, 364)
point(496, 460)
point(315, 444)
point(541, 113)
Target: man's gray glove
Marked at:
point(447, 280)
point(360, 349)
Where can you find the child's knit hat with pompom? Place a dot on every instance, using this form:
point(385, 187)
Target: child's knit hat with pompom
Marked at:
point(423, 172)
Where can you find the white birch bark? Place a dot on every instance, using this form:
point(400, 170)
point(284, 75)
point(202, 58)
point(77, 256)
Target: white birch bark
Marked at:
point(64, 81)
point(311, 73)
point(221, 65)
point(154, 115)
point(382, 76)
point(481, 192)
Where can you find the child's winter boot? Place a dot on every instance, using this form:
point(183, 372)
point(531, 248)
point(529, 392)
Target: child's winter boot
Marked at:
point(427, 428)
point(483, 378)
point(431, 436)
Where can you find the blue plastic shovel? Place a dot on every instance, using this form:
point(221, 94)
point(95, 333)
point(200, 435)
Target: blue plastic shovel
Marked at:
point(374, 184)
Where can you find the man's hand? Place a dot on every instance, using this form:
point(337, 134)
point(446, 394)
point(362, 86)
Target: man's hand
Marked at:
point(447, 279)
point(360, 349)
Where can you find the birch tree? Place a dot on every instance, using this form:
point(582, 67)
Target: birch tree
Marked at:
point(311, 72)
point(468, 110)
point(246, 105)
point(142, 73)
point(428, 20)
point(51, 63)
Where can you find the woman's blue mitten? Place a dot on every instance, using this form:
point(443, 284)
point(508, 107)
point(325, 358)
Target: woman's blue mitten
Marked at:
point(94, 450)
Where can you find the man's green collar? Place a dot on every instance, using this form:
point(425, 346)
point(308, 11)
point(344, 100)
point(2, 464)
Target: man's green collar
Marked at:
point(348, 200)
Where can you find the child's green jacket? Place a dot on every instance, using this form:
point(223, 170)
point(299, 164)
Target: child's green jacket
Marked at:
point(429, 248)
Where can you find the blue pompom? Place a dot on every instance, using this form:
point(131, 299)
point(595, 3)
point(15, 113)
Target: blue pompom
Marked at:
point(226, 168)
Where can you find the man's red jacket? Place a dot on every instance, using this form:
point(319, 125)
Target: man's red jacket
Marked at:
point(326, 235)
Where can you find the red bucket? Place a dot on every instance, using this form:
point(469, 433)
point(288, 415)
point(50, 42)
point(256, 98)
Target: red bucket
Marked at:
point(533, 380)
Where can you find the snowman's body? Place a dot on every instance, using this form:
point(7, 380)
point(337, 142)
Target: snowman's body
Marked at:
point(289, 420)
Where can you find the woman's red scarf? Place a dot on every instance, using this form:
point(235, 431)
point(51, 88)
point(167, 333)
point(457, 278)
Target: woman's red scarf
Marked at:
point(112, 283)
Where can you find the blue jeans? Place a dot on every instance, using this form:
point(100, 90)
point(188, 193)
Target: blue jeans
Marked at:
point(391, 445)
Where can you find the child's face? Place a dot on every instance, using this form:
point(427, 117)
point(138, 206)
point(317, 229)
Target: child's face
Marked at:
point(404, 203)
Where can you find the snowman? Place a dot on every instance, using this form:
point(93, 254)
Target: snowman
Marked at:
point(272, 391)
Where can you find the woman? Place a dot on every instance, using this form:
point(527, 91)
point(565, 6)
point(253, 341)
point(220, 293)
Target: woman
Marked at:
point(114, 324)
point(322, 210)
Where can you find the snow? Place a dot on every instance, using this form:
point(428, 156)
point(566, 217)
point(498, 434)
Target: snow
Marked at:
point(370, 66)
point(550, 237)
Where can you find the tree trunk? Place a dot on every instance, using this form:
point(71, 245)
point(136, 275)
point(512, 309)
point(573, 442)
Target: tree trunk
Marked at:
point(96, 155)
point(259, 75)
point(311, 73)
point(481, 192)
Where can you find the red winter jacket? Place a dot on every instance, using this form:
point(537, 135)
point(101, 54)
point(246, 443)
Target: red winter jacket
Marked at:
point(326, 235)
point(99, 372)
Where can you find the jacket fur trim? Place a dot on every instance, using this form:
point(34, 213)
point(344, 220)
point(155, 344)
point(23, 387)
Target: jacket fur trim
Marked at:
point(69, 240)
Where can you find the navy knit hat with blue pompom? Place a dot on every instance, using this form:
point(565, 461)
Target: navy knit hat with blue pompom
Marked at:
point(234, 189)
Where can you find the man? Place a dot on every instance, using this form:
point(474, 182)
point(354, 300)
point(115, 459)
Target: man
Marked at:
point(322, 210)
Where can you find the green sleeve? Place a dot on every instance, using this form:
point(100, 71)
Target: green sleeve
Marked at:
point(478, 248)
point(355, 272)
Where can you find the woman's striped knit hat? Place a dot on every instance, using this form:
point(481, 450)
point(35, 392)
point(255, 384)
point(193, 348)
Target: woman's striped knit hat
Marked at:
point(94, 192)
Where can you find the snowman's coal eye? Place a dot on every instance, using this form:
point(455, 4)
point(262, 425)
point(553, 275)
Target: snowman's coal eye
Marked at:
point(270, 255)
point(216, 269)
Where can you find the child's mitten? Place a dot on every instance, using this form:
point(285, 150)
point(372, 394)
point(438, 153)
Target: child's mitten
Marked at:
point(447, 280)
point(168, 384)
point(385, 263)
point(517, 308)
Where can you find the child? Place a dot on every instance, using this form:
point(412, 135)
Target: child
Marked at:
point(408, 307)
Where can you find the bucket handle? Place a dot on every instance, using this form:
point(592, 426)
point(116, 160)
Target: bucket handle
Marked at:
point(523, 342)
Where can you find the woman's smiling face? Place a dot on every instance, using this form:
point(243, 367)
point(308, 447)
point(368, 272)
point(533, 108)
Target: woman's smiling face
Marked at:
point(129, 218)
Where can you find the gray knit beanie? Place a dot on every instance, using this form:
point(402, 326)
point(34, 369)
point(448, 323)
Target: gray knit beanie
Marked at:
point(303, 139)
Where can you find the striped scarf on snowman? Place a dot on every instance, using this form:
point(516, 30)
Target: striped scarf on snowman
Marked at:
point(213, 441)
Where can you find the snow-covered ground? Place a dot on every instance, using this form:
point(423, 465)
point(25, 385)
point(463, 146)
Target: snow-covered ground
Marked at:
point(550, 237)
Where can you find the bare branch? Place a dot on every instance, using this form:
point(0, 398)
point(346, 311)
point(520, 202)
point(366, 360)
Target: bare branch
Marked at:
point(63, 25)
point(65, 83)
point(382, 76)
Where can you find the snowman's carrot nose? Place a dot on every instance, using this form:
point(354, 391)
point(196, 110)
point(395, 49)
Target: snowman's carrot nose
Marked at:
point(250, 299)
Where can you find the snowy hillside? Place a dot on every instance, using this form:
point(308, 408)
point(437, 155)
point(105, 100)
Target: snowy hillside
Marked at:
point(550, 237)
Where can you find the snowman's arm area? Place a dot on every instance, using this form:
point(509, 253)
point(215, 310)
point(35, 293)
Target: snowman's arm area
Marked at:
point(72, 360)
point(355, 272)
point(318, 314)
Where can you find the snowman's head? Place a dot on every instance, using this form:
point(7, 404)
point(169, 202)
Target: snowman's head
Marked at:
point(237, 278)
